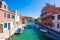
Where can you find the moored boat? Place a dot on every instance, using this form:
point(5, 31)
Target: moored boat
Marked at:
point(43, 30)
point(19, 30)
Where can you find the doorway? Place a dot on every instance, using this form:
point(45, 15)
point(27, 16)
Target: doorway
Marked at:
point(1, 28)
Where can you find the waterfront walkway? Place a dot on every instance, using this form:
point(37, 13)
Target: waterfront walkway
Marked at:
point(5, 34)
point(31, 33)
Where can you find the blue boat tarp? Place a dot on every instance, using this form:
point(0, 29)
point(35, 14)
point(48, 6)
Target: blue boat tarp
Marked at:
point(18, 30)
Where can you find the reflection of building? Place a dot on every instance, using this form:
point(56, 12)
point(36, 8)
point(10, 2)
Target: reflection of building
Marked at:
point(50, 17)
point(6, 20)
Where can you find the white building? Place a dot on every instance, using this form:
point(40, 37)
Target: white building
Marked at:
point(16, 18)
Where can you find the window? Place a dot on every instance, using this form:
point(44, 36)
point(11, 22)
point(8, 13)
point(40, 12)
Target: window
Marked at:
point(5, 25)
point(49, 24)
point(13, 17)
point(4, 15)
point(52, 17)
point(8, 16)
point(23, 18)
point(57, 25)
point(52, 24)
point(8, 25)
point(47, 16)
point(58, 16)
point(5, 6)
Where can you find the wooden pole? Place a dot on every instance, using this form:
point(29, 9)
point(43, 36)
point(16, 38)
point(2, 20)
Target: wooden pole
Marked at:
point(9, 34)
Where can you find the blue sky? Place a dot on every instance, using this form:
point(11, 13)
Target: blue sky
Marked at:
point(30, 7)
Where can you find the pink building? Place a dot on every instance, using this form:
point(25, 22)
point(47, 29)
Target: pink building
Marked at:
point(56, 20)
point(51, 17)
point(6, 20)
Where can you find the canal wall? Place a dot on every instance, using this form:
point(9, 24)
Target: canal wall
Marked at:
point(50, 33)
point(10, 37)
point(5, 35)
point(13, 32)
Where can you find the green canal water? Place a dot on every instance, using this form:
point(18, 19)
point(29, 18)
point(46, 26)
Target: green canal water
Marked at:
point(30, 34)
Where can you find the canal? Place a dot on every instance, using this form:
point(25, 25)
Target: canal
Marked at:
point(30, 33)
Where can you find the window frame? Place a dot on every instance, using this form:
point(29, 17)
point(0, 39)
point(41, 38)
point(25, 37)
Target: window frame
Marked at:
point(58, 17)
point(13, 17)
point(9, 25)
point(8, 15)
point(5, 25)
point(58, 25)
point(53, 17)
point(4, 15)
point(53, 24)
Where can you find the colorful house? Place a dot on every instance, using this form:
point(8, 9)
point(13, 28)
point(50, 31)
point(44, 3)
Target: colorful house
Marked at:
point(20, 19)
point(56, 20)
point(46, 15)
point(16, 17)
point(6, 20)
point(24, 19)
point(51, 17)
point(30, 19)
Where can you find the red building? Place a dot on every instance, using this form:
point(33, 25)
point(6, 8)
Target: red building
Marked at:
point(46, 15)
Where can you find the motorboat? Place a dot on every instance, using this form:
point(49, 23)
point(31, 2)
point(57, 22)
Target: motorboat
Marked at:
point(44, 30)
point(19, 30)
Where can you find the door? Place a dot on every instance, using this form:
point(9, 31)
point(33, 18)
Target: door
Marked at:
point(1, 28)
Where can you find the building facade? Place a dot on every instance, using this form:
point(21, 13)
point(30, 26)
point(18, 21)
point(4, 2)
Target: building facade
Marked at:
point(56, 20)
point(16, 17)
point(46, 15)
point(24, 19)
point(50, 17)
point(6, 20)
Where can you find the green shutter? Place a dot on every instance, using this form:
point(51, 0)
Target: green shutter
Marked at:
point(13, 17)
point(8, 25)
point(5, 25)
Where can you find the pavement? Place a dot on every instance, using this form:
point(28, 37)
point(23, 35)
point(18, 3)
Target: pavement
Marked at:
point(5, 35)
